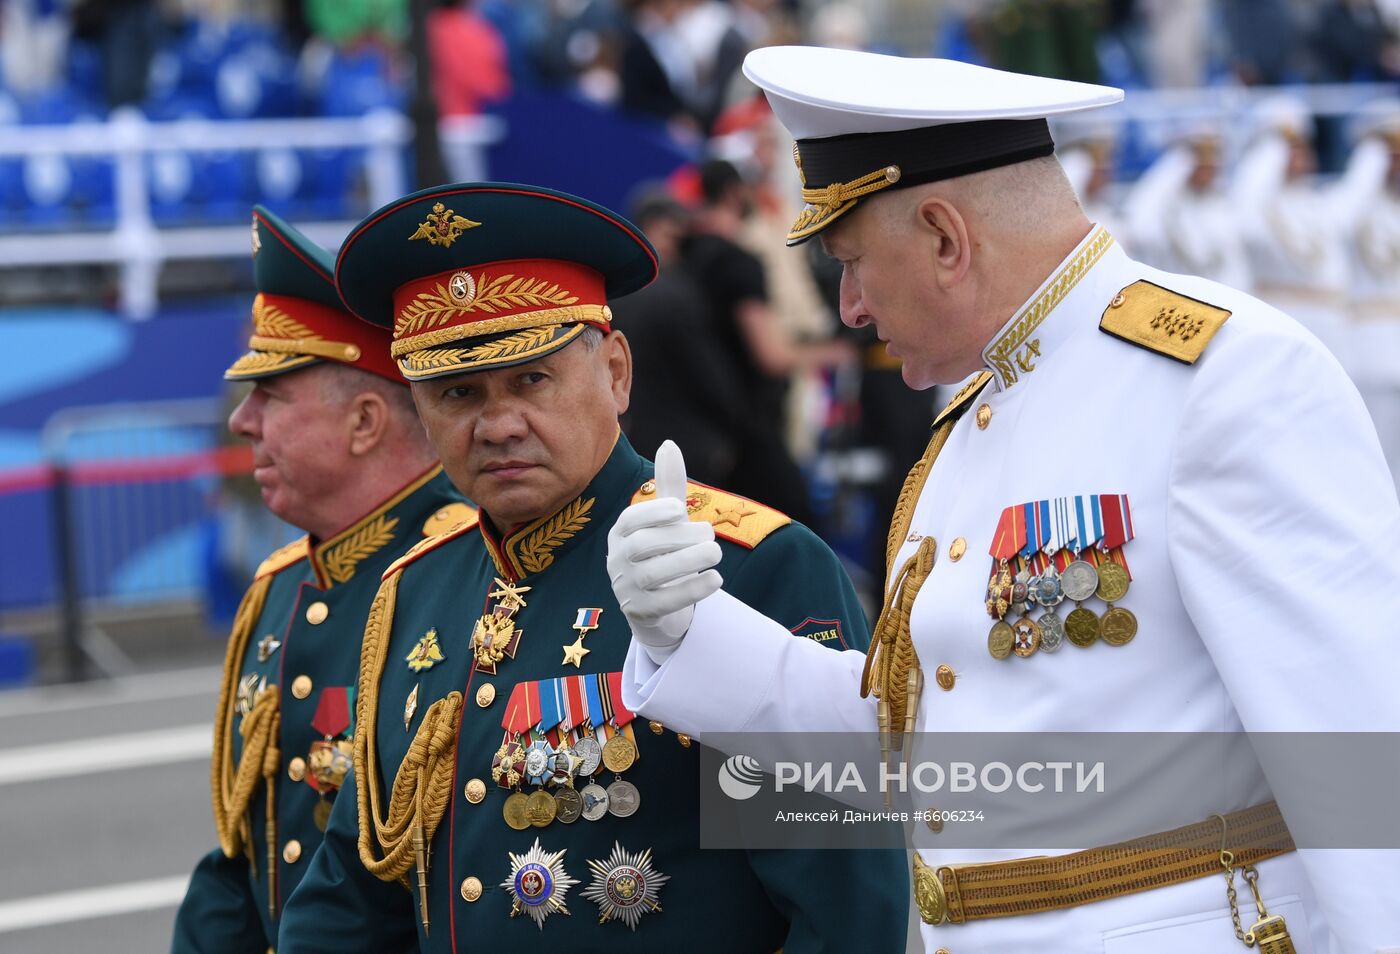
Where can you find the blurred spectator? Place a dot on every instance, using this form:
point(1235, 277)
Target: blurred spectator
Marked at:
point(1044, 37)
point(841, 26)
point(684, 387)
point(1177, 32)
point(468, 57)
point(1350, 42)
point(1264, 40)
point(1087, 154)
point(128, 33)
point(742, 321)
point(343, 22)
point(749, 136)
point(655, 72)
point(33, 44)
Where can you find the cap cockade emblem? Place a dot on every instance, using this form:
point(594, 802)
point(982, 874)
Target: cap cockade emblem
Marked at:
point(443, 226)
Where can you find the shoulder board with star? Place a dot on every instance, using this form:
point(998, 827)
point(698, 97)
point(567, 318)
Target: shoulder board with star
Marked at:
point(736, 519)
point(963, 399)
point(284, 557)
point(428, 544)
point(1161, 320)
point(450, 517)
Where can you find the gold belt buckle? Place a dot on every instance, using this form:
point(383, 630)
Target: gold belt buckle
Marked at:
point(932, 897)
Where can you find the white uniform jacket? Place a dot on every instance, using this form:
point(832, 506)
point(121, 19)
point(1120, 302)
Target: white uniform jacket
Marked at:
point(1264, 571)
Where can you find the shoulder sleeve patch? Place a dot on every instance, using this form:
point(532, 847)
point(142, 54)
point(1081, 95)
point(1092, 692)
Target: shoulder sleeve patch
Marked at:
point(448, 517)
point(429, 543)
point(736, 519)
point(963, 399)
point(824, 631)
point(1162, 320)
point(282, 558)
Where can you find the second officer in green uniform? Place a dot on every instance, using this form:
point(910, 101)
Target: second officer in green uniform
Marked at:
point(338, 452)
point(501, 778)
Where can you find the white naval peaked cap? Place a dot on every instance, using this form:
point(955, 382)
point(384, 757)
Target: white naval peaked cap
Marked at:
point(865, 121)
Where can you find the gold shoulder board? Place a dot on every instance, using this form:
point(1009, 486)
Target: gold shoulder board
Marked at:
point(426, 544)
point(448, 517)
point(1162, 320)
point(282, 558)
point(736, 519)
point(963, 399)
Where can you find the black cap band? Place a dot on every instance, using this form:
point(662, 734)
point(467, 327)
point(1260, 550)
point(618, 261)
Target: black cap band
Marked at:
point(926, 154)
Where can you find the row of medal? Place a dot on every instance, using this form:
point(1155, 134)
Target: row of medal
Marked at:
point(1049, 551)
point(625, 885)
point(558, 734)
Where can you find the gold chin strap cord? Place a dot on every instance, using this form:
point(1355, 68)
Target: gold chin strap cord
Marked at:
point(233, 786)
point(423, 784)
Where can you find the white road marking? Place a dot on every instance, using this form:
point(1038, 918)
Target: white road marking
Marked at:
point(120, 690)
point(85, 904)
point(105, 753)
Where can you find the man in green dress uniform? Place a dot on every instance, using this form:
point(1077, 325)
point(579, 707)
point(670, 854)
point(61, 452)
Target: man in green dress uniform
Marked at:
point(501, 779)
point(339, 452)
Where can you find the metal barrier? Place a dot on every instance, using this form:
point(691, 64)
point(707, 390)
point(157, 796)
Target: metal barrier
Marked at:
point(140, 517)
point(139, 247)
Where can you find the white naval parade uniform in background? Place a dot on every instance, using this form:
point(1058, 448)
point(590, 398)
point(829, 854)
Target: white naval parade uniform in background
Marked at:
point(1178, 229)
point(1264, 568)
point(1369, 209)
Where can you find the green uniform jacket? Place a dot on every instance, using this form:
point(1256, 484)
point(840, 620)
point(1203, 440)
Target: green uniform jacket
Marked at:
point(295, 643)
point(714, 901)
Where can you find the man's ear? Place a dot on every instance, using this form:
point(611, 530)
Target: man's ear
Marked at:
point(619, 359)
point(369, 420)
point(944, 227)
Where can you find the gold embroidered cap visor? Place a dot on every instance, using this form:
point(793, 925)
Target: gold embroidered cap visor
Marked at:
point(866, 122)
point(478, 276)
point(298, 319)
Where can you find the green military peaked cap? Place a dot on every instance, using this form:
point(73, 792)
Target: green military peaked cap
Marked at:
point(298, 318)
point(479, 275)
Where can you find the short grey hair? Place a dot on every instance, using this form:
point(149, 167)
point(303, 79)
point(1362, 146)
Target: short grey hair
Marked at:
point(592, 337)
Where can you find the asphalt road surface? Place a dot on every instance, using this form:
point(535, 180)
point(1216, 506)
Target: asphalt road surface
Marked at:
point(104, 810)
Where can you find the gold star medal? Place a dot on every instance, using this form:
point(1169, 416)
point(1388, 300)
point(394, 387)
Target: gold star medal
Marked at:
point(584, 623)
point(426, 653)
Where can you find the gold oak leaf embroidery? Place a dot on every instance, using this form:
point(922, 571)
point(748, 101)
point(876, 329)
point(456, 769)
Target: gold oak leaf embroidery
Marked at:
point(537, 552)
point(342, 559)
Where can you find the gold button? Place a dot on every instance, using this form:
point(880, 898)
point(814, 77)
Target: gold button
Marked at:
point(471, 889)
point(301, 686)
point(648, 488)
point(958, 548)
point(1118, 300)
point(683, 739)
point(291, 851)
point(476, 791)
point(945, 677)
point(296, 769)
point(485, 695)
point(941, 950)
point(656, 727)
point(984, 416)
point(317, 612)
point(935, 821)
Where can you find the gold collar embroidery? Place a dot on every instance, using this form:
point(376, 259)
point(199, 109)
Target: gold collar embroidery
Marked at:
point(336, 560)
point(531, 548)
point(1014, 352)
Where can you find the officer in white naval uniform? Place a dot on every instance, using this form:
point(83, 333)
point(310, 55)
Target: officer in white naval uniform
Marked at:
point(1296, 251)
point(1366, 200)
point(1180, 219)
point(1262, 520)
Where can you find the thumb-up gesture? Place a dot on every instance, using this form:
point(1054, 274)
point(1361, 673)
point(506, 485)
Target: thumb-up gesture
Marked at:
point(660, 563)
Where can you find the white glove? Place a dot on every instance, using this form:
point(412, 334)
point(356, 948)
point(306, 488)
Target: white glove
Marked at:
point(660, 563)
